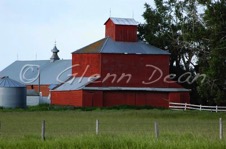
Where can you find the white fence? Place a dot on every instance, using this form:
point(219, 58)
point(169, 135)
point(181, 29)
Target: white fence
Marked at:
point(186, 106)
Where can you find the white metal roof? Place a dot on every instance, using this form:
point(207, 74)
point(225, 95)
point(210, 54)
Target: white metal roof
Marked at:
point(124, 21)
point(150, 89)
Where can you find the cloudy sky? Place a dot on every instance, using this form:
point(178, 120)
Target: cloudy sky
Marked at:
point(29, 28)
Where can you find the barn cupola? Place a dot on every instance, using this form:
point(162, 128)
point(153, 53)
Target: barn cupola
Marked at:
point(121, 29)
point(54, 56)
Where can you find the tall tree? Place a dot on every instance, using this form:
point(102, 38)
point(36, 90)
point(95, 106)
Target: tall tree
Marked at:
point(175, 26)
point(214, 63)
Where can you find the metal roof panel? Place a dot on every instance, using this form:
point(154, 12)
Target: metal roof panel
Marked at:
point(107, 45)
point(123, 21)
point(26, 72)
point(75, 83)
point(138, 89)
point(7, 82)
point(131, 48)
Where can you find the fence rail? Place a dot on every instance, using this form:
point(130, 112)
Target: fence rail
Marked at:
point(186, 106)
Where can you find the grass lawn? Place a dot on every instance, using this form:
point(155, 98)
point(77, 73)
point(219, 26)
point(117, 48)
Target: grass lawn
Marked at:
point(123, 128)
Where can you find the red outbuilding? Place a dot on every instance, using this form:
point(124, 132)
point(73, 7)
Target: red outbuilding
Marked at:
point(119, 70)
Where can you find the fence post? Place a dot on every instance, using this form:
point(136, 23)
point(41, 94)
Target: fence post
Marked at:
point(200, 109)
point(156, 130)
point(216, 109)
point(220, 129)
point(185, 106)
point(43, 130)
point(97, 127)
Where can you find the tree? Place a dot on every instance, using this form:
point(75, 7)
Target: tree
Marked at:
point(214, 63)
point(175, 26)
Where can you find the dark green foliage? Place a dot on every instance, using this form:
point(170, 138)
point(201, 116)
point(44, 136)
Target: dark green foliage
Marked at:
point(176, 27)
point(213, 90)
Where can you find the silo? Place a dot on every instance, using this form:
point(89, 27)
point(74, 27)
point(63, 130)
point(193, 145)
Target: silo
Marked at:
point(12, 93)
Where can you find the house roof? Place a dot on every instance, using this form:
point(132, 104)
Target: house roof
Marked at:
point(123, 21)
point(107, 45)
point(26, 72)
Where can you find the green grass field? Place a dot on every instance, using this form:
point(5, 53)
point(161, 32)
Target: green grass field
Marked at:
point(123, 128)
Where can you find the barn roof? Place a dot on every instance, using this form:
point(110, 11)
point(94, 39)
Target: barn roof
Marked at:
point(149, 89)
point(75, 83)
point(107, 45)
point(81, 83)
point(123, 21)
point(26, 72)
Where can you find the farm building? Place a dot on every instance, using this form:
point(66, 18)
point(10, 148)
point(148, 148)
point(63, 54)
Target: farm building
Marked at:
point(39, 75)
point(119, 70)
point(12, 93)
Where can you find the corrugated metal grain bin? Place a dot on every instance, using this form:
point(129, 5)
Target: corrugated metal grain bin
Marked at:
point(12, 93)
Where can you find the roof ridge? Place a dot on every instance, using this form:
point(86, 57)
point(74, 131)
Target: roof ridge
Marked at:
point(121, 18)
point(104, 44)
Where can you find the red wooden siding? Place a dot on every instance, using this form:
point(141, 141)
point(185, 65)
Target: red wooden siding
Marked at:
point(115, 98)
point(110, 29)
point(182, 97)
point(134, 65)
point(68, 98)
point(93, 99)
point(174, 97)
point(81, 62)
point(157, 100)
point(131, 99)
point(126, 33)
point(141, 99)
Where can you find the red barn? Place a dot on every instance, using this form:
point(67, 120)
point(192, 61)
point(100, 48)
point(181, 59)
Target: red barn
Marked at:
point(119, 70)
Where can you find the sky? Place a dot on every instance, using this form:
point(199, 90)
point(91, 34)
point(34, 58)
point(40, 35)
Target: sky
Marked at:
point(29, 28)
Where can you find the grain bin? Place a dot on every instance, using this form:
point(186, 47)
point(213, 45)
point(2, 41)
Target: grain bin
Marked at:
point(12, 93)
